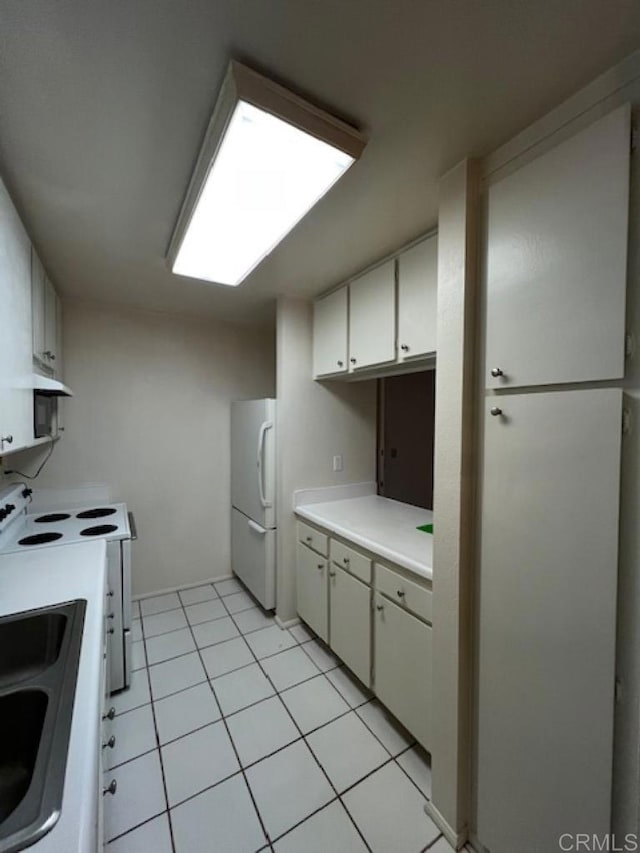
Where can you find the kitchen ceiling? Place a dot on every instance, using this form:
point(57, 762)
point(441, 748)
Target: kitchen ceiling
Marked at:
point(104, 104)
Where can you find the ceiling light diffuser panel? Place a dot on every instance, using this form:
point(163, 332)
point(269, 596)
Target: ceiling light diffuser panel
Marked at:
point(267, 158)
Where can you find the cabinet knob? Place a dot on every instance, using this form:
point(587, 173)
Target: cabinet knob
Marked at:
point(308, 539)
point(321, 566)
point(332, 574)
point(352, 360)
point(6, 439)
point(340, 363)
point(111, 615)
point(400, 593)
point(110, 714)
point(495, 371)
point(379, 606)
point(404, 347)
point(110, 743)
point(111, 631)
point(346, 560)
point(110, 594)
point(495, 411)
point(111, 788)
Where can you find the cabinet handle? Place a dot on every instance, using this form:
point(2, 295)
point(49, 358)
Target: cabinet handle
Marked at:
point(332, 574)
point(352, 360)
point(321, 565)
point(495, 411)
point(111, 788)
point(400, 593)
point(110, 714)
point(379, 606)
point(341, 364)
point(404, 347)
point(6, 439)
point(110, 743)
point(495, 371)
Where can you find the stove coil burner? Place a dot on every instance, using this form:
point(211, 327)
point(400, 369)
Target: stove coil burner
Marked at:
point(99, 512)
point(51, 517)
point(99, 530)
point(40, 538)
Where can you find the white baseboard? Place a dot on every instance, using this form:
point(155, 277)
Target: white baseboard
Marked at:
point(456, 839)
point(181, 586)
point(286, 623)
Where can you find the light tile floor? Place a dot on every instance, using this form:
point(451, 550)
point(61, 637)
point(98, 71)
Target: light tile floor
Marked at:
point(239, 736)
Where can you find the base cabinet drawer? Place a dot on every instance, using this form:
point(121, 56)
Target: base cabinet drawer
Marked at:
point(350, 622)
point(404, 592)
point(313, 538)
point(402, 654)
point(351, 560)
point(312, 592)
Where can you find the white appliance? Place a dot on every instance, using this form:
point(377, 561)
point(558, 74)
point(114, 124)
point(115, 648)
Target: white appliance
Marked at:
point(253, 497)
point(20, 531)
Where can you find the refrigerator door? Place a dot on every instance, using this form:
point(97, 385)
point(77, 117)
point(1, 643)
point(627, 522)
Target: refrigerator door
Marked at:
point(253, 463)
point(253, 557)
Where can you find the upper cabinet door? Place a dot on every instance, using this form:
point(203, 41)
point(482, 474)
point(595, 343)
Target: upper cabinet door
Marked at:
point(417, 300)
point(330, 334)
point(37, 306)
point(557, 262)
point(50, 324)
point(372, 318)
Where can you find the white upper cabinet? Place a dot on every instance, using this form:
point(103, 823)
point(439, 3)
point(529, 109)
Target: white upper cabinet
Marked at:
point(50, 324)
point(372, 318)
point(417, 300)
point(557, 262)
point(37, 305)
point(16, 397)
point(330, 334)
point(45, 318)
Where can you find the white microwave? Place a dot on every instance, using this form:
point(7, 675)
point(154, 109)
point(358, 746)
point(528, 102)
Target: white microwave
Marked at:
point(45, 409)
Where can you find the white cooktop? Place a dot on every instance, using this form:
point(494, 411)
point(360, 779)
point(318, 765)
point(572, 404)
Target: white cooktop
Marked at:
point(67, 526)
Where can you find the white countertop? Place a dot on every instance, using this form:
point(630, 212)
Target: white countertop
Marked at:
point(383, 526)
point(39, 578)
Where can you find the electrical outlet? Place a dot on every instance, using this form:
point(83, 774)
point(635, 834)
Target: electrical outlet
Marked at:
point(337, 462)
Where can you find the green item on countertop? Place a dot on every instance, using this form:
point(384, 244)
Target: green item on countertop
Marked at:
point(426, 528)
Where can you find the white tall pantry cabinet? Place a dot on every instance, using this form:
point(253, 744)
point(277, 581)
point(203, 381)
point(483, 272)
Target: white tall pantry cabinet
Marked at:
point(555, 303)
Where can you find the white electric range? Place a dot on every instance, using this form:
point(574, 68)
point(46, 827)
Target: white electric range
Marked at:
point(21, 530)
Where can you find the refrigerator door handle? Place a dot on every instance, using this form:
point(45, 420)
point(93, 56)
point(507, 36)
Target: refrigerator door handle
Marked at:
point(256, 527)
point(261, 436)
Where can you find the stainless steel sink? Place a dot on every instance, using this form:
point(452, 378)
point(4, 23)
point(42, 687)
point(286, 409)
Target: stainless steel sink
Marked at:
point(39, 656)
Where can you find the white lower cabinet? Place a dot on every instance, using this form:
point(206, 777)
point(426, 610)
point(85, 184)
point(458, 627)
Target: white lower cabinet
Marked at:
point(350, 622)
point(390, 653)
point(312, 592)
point(402, 655)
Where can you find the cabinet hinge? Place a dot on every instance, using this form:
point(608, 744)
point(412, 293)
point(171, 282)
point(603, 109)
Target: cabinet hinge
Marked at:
point(635, 136)
point(629, 345)
point(626, 421)
point(618, 690)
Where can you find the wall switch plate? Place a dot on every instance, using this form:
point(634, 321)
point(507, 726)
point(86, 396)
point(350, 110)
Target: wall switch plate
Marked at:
point(337, 462)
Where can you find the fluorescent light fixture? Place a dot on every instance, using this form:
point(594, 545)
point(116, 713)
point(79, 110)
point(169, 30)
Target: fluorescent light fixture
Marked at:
point(267, 158)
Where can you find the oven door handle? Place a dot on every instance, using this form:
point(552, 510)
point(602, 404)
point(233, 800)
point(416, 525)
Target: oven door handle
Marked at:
point(132, 527)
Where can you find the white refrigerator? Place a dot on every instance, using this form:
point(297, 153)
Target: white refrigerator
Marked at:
point(253, 497)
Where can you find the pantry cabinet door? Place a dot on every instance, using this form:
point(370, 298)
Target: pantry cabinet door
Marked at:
point(547, 617)
point(372, 318)
point(402, 666)
point(417, 300)
point(350, 622)
point(16, 398)
point(312, 591)
point(330, 334)
point(557, 262)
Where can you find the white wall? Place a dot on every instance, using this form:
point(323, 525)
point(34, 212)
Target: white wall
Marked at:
point(150, 418)
point(315, 422)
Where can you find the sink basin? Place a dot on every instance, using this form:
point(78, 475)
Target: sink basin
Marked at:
point(29, 644)
point(39, 657)
point(22, 717)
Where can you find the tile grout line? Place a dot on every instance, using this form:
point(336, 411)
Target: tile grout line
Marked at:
point(315, 758)
point(233, 746)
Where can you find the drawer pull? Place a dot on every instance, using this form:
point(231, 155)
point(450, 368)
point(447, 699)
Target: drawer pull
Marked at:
point(110, 714)
point(400, 593)
point(111, 788)
point(110, 594)
point(332, 574)
point(309, 539)
point(111, 615)
point(346, 560)
point(321, 566)
point(379, 606)
point(110, 743)
point(111, 631)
